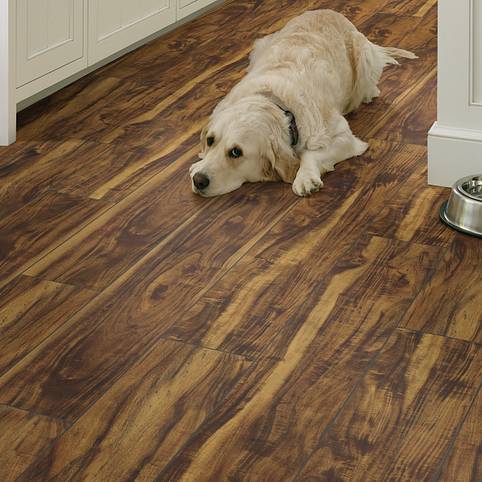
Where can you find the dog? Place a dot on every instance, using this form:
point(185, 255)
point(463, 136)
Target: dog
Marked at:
point(284, 119)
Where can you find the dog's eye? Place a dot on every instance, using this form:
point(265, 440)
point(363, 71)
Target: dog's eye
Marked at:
point(235, 152)
point(210, 141)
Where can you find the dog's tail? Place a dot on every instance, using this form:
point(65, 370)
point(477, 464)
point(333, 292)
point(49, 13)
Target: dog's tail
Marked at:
point(389, 54)
point(371, 59)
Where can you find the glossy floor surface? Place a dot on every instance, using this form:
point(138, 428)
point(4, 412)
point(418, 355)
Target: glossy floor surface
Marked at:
point(150, 334)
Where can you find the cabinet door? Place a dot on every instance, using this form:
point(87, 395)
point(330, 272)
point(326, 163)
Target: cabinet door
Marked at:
point(116, 24)
point(50, 35)
point(186, 7)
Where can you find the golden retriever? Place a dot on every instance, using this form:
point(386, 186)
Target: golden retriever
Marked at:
point(284, 119)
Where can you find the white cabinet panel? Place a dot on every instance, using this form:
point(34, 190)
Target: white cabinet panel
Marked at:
point(50, 35)
point(116, 24)
point(186, 7)
point(477, 52)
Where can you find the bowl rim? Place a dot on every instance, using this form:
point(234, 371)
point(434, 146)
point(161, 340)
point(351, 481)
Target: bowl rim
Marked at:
point(458, 187)
point(448, 222)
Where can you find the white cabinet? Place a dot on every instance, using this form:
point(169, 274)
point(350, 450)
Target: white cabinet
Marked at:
point(50, 35)
point(455, 140)
point(186, 7)
point(116, 24)
point(46, 44)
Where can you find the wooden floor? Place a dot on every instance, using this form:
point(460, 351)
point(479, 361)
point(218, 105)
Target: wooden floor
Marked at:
point(150, 334)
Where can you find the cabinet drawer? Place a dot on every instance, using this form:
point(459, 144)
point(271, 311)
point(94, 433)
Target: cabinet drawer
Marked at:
point(186, 7)
point(116, 24)
point(50, 35)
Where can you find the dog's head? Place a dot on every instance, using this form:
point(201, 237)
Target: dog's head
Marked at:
point(248, 141)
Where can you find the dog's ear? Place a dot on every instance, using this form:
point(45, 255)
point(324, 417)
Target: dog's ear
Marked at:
point(283, 160)
point(204, 133)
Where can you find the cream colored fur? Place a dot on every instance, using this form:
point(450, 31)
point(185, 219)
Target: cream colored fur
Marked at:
point(319, 67)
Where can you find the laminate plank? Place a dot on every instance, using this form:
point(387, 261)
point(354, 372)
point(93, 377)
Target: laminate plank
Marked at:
point(105, 108)
point(414, 8)
point(21, 180)
point(385, 29)
point(22, 437)
point(38, 227)
point(413, 118)
point(169, 123)
point(413, 214)
point(136, 174)
point(76, 167)
point(354, 193)
point(256, 308)
point(398, 82)
point(323, 340)
point(142, 122)
point(107, 247)
point(450, 303)
point(400, 421)
point(87, 354)
point(359, 11)
point(197, 43)
point(464, 463)
point(220, 235)
point(69, 112)
point(162, 401)
point(115, 241)
point(30, 311)
point(333, 339)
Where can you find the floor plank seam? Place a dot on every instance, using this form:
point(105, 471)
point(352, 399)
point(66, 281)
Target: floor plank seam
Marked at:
point(448, 337)
point(70, 424)
point(42, 255)
point(36, 414)
point(152, 345)
point(93, 300)
point(7, 369)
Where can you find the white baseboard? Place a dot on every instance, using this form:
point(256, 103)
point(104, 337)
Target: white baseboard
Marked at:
point(453, 153)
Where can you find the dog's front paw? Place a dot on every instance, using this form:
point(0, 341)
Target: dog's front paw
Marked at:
point(307, 184)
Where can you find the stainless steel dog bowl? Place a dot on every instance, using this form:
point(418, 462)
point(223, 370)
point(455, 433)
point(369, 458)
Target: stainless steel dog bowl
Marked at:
point(463, 210)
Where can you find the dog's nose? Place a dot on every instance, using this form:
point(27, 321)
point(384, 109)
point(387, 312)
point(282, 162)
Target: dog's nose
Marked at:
point(201, 181)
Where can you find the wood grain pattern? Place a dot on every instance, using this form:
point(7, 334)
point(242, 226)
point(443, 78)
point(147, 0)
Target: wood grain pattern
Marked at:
point(150, 334)
point(21, 179)
point(463, 463)
point(356, 323)
point(411, 123)
point(409, 7)
point(36, 228)
point(161, 401)
point(115, 241)
point(142, 303)
point(336, 337)
point(357, 194)
point(30, 311)
point(398, 425)
point(454, 307)
point(22, 438)
point(413, 214)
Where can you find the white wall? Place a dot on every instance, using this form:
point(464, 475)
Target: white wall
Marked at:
point(455, 140)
